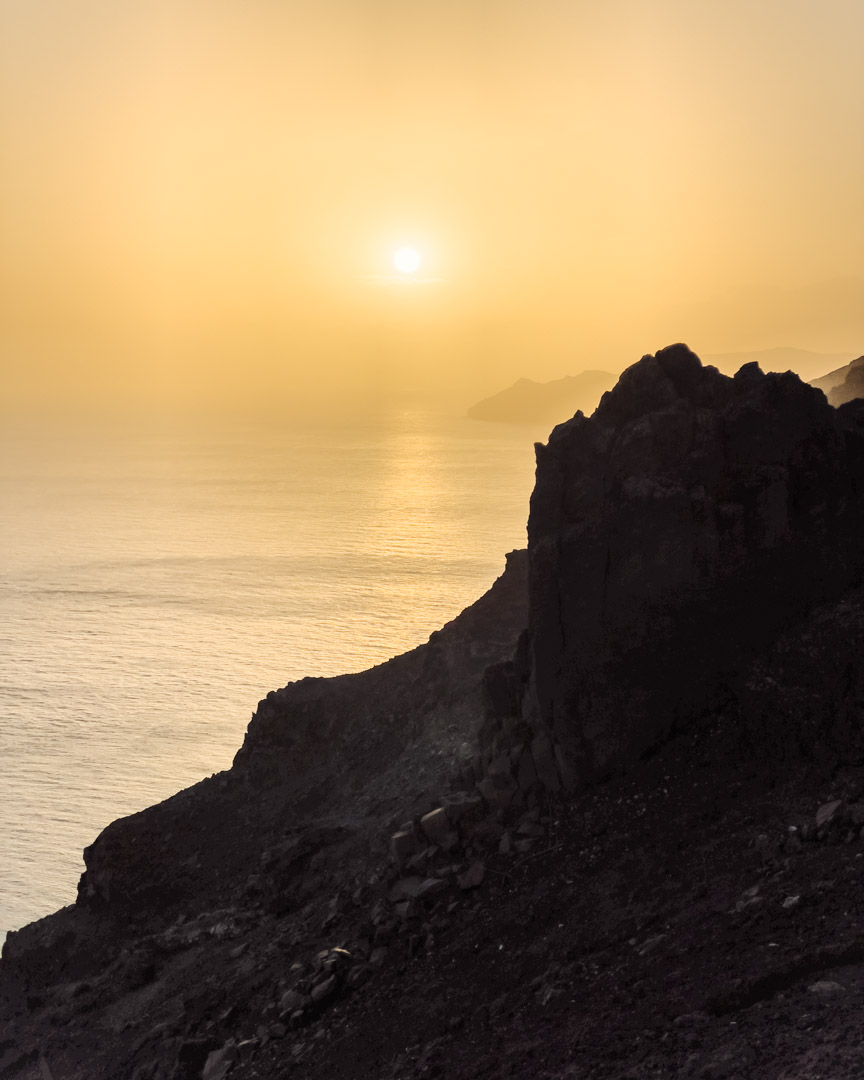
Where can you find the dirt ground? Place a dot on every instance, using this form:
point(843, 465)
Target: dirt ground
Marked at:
point(673, 923)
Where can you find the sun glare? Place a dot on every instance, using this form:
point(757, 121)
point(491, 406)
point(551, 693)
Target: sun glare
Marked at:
point(406, 260)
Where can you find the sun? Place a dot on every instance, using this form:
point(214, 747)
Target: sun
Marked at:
point(406, 260)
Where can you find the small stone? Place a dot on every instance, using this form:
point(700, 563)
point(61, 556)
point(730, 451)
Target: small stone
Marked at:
point(825, 987)
point(505, 844)
point(650, 944)
point(402, 847)
point(379, 913)
point(550, 995)
point(523, 846)
point(748, 898)
point(473, 876)
point(277, 1031)
point(322, 991)
point(791, 902)
point(219, 1062)
point(404, 889)
point(420, 861)
point(290, 1001)
point(436, 827)
point(358, 976)
point(378, 956)
point(432, 887)
point(829, 813)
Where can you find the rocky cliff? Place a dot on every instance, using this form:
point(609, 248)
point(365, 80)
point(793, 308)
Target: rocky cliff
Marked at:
point(672, 536)
point(643, 818)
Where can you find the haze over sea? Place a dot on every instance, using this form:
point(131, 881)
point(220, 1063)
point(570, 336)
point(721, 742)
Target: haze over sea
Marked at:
point(158, 580)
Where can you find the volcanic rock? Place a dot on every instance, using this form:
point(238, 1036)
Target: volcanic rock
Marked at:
point(671, 536)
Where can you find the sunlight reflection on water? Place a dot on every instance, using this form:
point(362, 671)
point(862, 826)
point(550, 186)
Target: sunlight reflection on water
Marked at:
point(156, 584)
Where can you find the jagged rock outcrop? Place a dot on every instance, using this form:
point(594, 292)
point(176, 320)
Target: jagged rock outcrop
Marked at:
point(671, 536)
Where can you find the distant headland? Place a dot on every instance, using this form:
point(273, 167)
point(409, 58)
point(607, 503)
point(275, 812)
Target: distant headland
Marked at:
point(529, 402)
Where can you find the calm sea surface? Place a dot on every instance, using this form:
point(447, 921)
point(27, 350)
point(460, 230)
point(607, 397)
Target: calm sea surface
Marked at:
point(155, 583)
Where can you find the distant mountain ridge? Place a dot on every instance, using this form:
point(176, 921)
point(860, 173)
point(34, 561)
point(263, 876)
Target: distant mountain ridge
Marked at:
point(527, 401)
point(844, 384)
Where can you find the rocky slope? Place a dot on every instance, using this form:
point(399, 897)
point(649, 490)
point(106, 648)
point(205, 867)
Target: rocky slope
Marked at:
point(647, 861)
point(325, 765)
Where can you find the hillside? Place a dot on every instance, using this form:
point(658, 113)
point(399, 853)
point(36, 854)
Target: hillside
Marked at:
point(607, 824)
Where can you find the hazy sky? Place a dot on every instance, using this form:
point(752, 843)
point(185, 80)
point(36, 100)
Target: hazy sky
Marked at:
point(201, 198)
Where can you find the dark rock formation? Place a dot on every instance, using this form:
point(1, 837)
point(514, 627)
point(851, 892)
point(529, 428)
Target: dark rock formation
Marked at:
point(672, 536)
point(529, 402)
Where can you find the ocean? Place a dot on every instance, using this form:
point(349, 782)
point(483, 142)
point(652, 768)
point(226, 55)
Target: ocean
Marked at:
point(157, 580)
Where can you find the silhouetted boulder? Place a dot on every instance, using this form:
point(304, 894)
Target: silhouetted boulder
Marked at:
point(672, 536)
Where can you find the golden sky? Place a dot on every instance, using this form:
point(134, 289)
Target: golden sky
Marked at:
point(199, 199)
